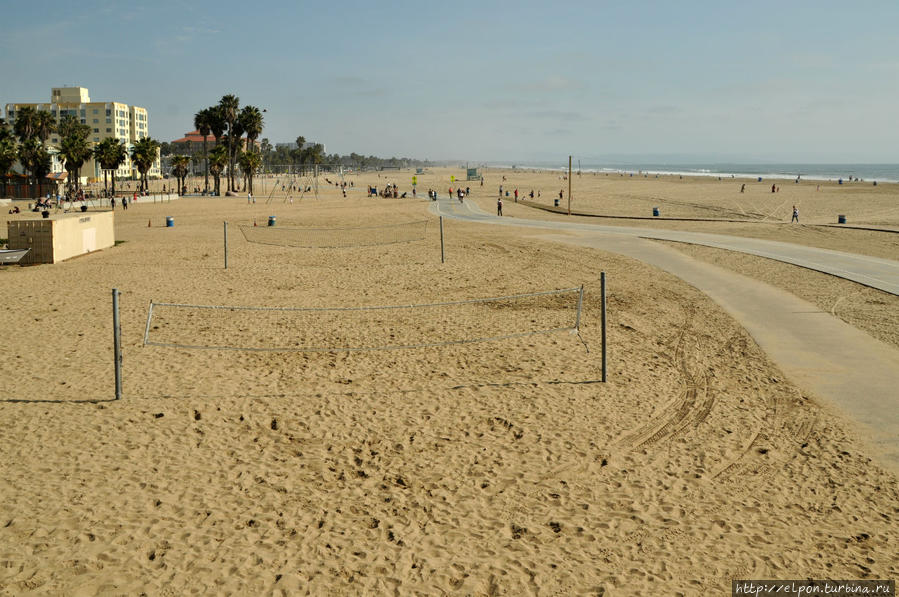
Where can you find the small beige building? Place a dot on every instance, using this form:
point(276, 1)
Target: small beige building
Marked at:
point(62, 236)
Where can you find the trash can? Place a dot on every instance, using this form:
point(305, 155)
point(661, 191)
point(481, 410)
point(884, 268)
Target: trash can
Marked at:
point(841, 219)
point(169, 222)
point(760, 179)
point(271, 220)
point(555, 202)
point(655, 211)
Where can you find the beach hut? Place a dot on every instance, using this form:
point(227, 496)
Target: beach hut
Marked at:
point(61, 236)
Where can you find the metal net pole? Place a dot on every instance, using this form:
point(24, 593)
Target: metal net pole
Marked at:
point(117, 343)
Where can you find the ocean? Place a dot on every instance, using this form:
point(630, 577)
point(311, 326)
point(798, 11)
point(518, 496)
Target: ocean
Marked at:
point(824, 172)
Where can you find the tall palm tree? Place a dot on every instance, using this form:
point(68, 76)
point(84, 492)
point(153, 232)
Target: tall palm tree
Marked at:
point(74, 147)
point(35, 158)
point(44, 125)
point(180, 168)
point(251, 121)
point(144, 154)
point(230, 109)
point(218, 159)
point(249, 163)
point(202, 123)
point(111, 154)
point(8, 155)
point(24, 123)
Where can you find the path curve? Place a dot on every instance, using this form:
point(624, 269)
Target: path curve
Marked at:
point(821, 354)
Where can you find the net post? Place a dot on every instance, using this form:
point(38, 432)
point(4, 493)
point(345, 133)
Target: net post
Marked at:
point(117, 342)
point(602, 292)
point(149, 317)
point(580, 304)
point(226, 244)
point(442, 249)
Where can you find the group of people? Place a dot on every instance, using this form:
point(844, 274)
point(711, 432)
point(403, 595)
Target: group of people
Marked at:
point(391, 190)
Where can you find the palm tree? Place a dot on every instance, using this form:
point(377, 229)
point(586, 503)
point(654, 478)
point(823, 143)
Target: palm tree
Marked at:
point(251, 121)
point(218, 159)
point(202, 124)
point(74, 147)
point(180, 168)
point(8, 155)
point(44, 125)
point(35, 158)
point(249, 163)
point(230, 107)
point(24, 123)
point(143, 155)
point(111, 154)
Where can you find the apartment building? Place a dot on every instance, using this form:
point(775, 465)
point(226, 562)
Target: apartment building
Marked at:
point(106, 119)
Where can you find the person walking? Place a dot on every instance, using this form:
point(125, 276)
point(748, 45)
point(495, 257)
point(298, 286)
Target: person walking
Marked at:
point(795, 217)
point(499, 206)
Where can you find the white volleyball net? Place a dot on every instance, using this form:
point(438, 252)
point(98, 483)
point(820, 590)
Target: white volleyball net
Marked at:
point(337, 329)
point(324, 238)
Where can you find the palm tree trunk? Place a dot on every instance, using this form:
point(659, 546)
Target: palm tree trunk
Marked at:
point(113, 183)
point(106, 182)
point(206, 173)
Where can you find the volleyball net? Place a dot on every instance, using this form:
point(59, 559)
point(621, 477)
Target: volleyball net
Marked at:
point(340, 329)
point(329, 238)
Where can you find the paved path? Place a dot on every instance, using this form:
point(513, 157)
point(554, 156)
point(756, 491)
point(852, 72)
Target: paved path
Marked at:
point(818, 352)
point(882, 274)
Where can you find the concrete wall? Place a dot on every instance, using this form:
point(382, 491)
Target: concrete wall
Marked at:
point(62, 236)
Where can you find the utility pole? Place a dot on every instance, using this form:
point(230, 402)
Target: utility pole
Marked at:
point(569, 185)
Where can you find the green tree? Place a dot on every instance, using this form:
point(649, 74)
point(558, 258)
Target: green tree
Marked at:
point(111, 154)
point(180, 168)
point(8, 152)
point(229, 106)
point(33, 128)
point(25, 123)
point(202, 120)
point(74, 147)
point(252, 123)
point(250, 161)
point(8, 155)
point(143, 155)
point(35, 158)
point(218, 159)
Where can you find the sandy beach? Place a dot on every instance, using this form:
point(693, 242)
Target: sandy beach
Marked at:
point(487, 468)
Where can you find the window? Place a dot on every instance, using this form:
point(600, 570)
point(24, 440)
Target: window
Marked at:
point(95, 110)
point(83, 121)
point(96, 121)
point(96, 130)
point(108, 113)
point(82, 113)
point(96, 139)
point(108, 130)
point(108, 120)
point(55, 140)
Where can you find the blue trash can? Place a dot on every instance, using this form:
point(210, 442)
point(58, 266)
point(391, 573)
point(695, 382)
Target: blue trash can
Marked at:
point(169, 222)
point(760, 179)
point(655, 211)
point(556, 202)
point(271, 220)
point(841, 219)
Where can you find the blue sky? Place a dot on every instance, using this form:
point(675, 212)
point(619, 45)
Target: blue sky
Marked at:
point(494, 81)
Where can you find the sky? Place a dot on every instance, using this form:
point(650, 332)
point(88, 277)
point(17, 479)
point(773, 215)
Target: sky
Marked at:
point(508, 82)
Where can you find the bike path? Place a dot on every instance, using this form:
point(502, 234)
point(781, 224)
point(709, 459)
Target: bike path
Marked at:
point(820, 353)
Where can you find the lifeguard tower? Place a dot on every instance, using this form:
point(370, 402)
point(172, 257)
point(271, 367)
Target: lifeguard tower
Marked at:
point(473, 174)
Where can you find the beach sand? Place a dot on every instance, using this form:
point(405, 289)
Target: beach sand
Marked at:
point(491, 468)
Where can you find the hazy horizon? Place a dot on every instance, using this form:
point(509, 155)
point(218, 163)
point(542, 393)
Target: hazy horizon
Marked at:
point(504, 82)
